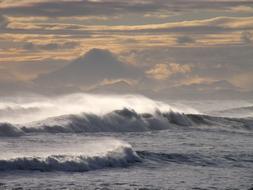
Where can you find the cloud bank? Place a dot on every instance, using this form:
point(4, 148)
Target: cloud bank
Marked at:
point(160, 48)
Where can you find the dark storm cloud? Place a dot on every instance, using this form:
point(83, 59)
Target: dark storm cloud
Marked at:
point(115, 7)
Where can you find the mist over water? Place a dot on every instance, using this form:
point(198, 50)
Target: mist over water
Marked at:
point(31, 108)
point(82, 113)
point(91, 148)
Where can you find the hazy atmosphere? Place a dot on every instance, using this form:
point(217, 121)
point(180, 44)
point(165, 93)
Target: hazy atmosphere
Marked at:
point(159, 48)
point(126, 94)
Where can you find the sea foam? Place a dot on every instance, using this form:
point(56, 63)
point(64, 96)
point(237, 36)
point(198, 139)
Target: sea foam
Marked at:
point(93, 156)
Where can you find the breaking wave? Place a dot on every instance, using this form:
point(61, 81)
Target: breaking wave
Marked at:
point(110, 156)
point(21, 110)
point(120, 157)
point(79, 113)
point(9, 130)
point(124, 120)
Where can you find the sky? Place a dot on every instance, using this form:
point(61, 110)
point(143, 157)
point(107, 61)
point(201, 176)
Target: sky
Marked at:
point(161, 48)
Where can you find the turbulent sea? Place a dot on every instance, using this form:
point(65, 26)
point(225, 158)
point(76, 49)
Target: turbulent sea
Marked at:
point(83, 141)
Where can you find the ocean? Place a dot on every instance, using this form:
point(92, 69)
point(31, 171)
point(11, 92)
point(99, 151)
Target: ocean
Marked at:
point(84, 141)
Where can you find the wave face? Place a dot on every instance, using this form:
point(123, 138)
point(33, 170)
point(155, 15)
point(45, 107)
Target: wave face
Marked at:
point(120, 157)
point(123, 121)
point(80, 113)
point(108, 154)
point(9, 130)
point(117, 121)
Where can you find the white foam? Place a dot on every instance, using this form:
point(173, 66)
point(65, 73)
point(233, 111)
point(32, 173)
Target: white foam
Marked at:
point(92, 155)
point(28, 109)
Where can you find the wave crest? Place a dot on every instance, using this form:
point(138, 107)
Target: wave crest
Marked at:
point(122, 156)
point(7, 129)
point(125, 120)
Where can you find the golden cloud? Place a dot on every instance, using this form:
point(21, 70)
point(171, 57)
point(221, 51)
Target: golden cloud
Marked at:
point(164, 71)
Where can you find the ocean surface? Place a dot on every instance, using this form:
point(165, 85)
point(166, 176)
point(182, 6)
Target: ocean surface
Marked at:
point(82, 141)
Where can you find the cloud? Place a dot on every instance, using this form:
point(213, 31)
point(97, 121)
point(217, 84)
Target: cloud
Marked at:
point(159, 72)
point(164, 71)
point(78, 8)
point(185, 40)
point(220, 26)
point(3, 22)
point(50, 46)
point(205, 89)
point(207, 63)
point(66, 8)
point(206, 26)
point(241, 8)
point(244, 80)
point(109, 82)
point(191, 80)
point(246, 37)
point(28, 70)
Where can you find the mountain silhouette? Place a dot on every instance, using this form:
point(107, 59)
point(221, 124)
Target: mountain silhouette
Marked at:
point(89, 69)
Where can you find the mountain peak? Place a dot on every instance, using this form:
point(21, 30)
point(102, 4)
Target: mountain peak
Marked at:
point(98, 56)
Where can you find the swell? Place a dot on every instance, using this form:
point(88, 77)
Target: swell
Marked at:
point(197, 159)
point(121, 157)
point(239, 109)
point(124, 120)
point(238, 112)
